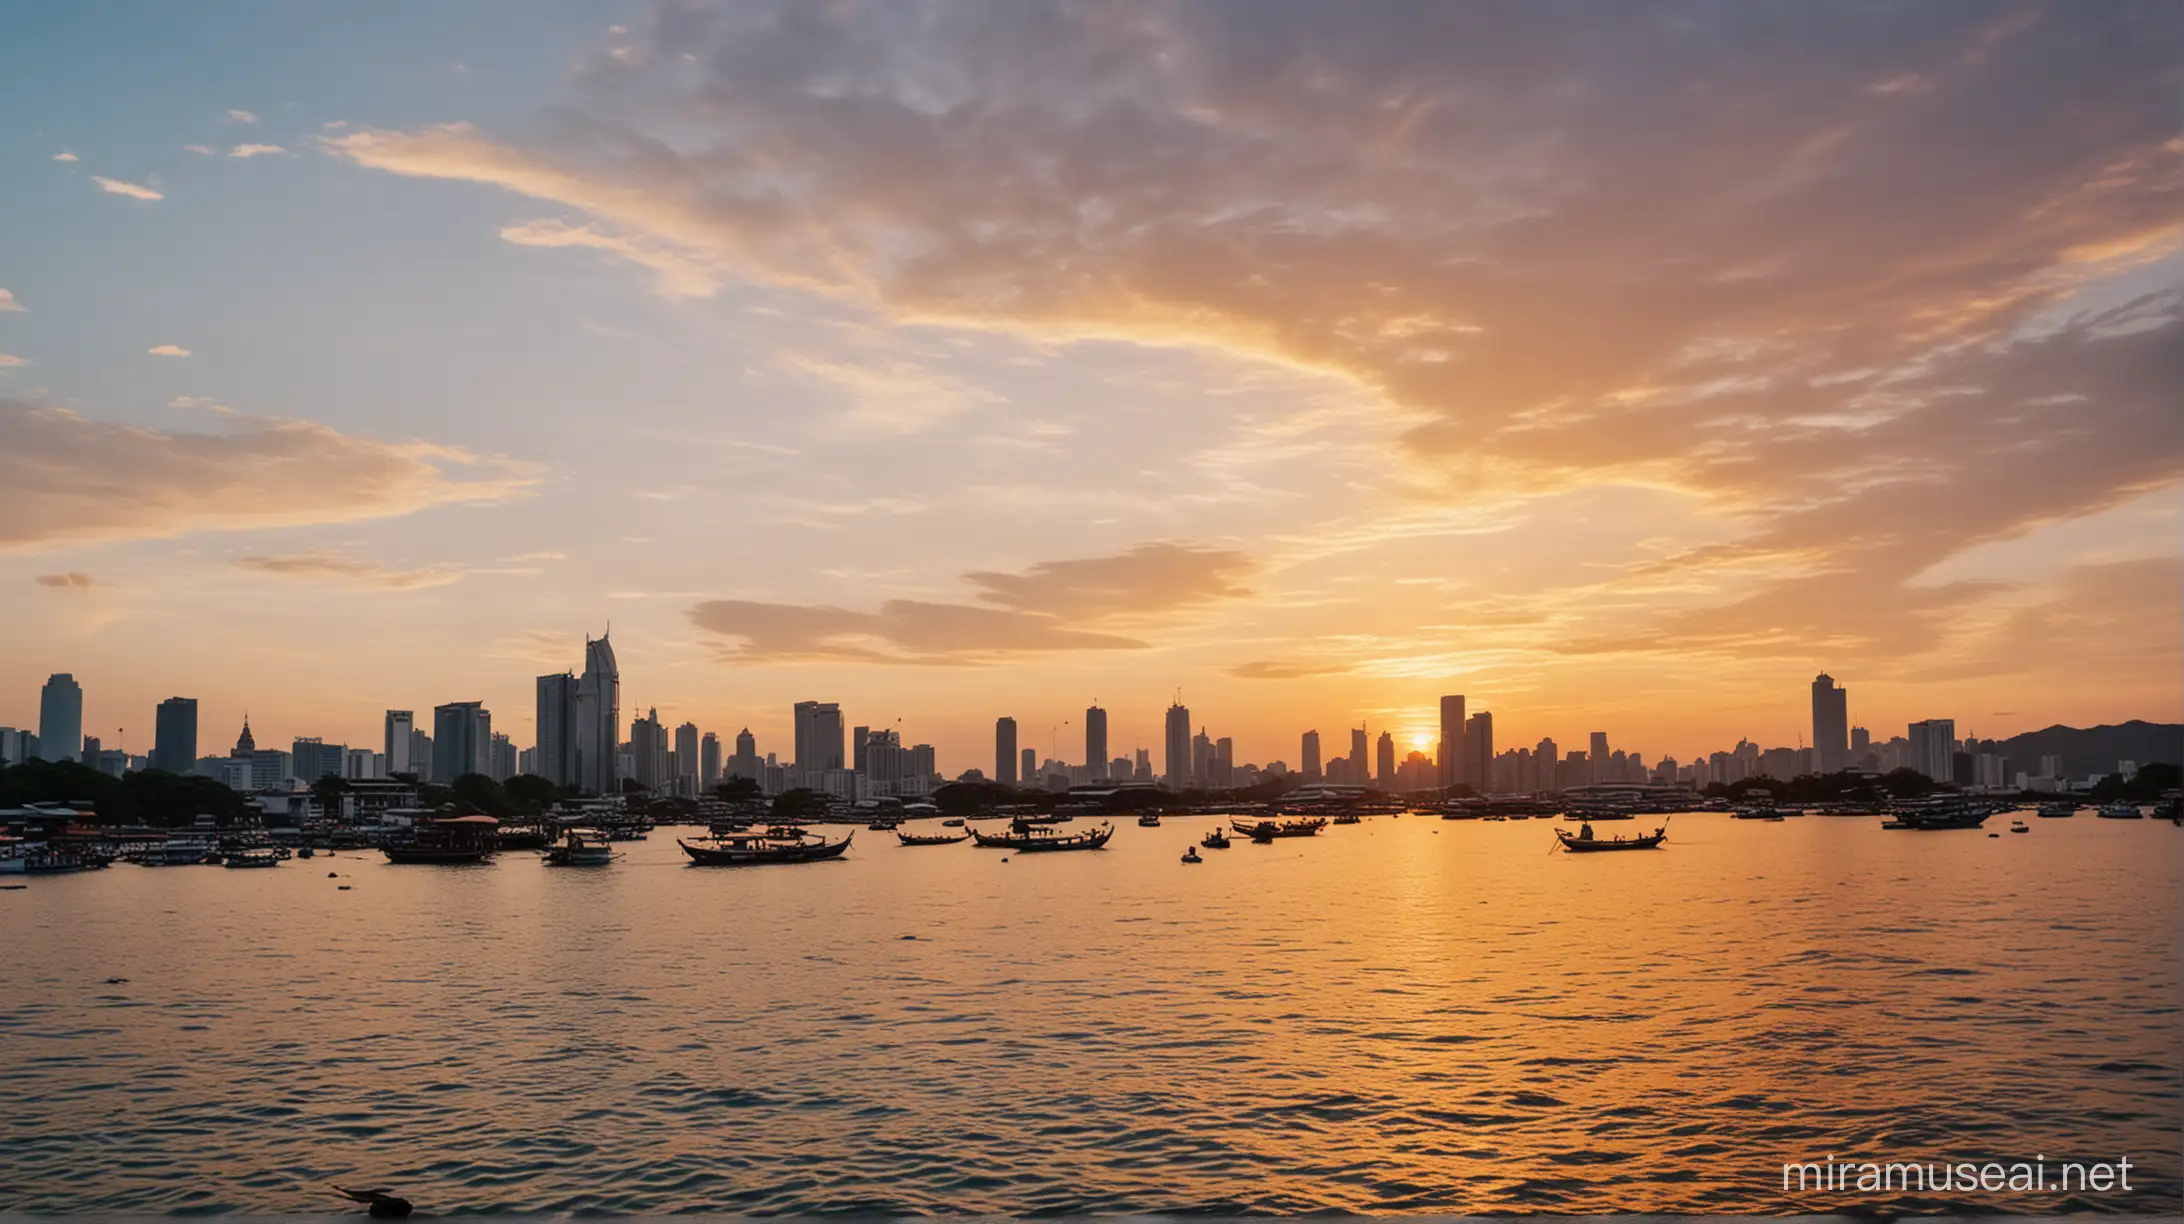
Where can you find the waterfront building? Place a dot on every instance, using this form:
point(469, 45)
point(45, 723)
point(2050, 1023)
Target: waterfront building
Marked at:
point(745, 763)
point(1384, 757)
point(1933, 748)
point(462, 738)
point(819, 746)
point(1479, 747)
point(313, 758)
point(687, 764)
point(1004, 751)
point(60, 718)
point(174, 735)
point(648, 750)
point(554, 756)
point(1830, 724)
point(400, 728)
point(1028, 766)
point(709, 764)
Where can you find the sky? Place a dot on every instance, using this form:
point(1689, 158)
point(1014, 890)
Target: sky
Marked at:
point(1618, 366)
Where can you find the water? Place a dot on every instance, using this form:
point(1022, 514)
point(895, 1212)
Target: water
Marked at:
point(1408, 1015)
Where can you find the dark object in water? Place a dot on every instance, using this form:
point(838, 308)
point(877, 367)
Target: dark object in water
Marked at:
point(1040, 840)
point(377, 1203)
point(780, 844)
point(1585, 842)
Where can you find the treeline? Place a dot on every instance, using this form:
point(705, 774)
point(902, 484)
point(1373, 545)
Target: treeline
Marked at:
point(146, 797)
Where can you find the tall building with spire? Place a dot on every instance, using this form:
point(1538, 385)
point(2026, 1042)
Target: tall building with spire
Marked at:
point(598, 719)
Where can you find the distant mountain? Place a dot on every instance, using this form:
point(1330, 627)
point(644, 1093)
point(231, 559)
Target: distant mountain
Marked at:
point(2095, 750)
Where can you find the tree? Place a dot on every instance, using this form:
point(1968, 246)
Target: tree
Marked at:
point(328, 790)
point(800, 803)
point(532, 794)
point(738, 790)
point(480, 793)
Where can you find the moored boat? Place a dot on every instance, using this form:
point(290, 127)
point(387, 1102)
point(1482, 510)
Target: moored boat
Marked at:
point(449, 841)
point(1268, 830)
point(778, 844)
point(1583, 841)
point(263, 856)
point(2120, 811)
point(1150, 820)
point(1036, 840)
point(581, 848)
point(2058, 809)
point(931, 839)
point(1216, 840)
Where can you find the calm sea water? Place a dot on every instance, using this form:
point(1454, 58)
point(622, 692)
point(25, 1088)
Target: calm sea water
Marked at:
point(1407, 1015)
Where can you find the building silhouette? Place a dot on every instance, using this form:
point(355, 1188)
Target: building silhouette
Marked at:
point(1479, 751)
point(819, 746)
point(1004, 751)
point(1449, 752)
point(462, 740)
point(401, 726)
point(1177, 741)
point(555, 752)
point(1311, 756)
point(1385, 752)
point(1830, 724)
point(1095, 741)
point(598, 719)
point(60, 718)
point(174, 736)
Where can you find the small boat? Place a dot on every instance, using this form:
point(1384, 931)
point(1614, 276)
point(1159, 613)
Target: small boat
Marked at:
point(522, 837)
point(1039, 840)
point(262, 857)
point(447, 842)
point(2058, 810)
point(1268, 830)
point(884, 824)
point(1190, 855)
point(2120, 811)
point(2019, 826)
point(304, 852)
point(1347, 818)
point(1937, 813)
point(953, 822)
point(49, 861)
point(931, 839)
point(1150, 820)
point(779, 844)
point(581, 848)
point(1216, 840)
point(1585, 843)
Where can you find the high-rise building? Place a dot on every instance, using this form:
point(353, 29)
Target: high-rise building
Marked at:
point(860, 748)
point(1597, 758)
point(462, 740)
point(1201, 759)
point(1933, 748)
point(1224, 763)
point(1360, 754)
point(420, 755)
point(1385, 752)
point(709, 761)
point(311, 758)
point(556, 728)
point(687, 764)
point(174, 736)
point(1311, 756)
point(1095, 740)
point(1028, 766)
point(360, 763)
point(1830, 724)
point(648, 750)
point(1178, 745)
point(401, 724)
point(500, 756)
point(1004, 751)
point(60, 718)
point(598, 719)
point(819, 746)
point(745, 764)
point(1451, 747)
point(1479, 747)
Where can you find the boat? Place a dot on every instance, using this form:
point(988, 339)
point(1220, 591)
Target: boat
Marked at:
point(1150, 820)
point(1268, 830)
point(884, 824)
point(777, 844)
point(304, 852)
point(1585, 843)
point(446, 842)
point(581, 848)
point(1759, 812)
point(2059, 809)
point(522, 837)
point(261, 857)
point(953, 822)
point(1216, 840)
point(1937, 813)
point(1190, 855)
point(1347, 818)
point(49, 860)
point(931, 839)
point(2120, 811)
point(2019, 826)
point(1036, 840)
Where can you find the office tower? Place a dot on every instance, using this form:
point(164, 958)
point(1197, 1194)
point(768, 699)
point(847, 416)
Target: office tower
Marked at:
point(1933, 748)
point(1311, 756)
point(1095, 741)
point(500, 758)
point(745, 764)
point(400, 725)
point(924, 766)
point(709, 761)
point(1004, 751)
point(648, 750)
point(1201, 759)
point(686, 757)
point(174, 735)
point(360, 763)
point(1224, 762)
point(860, 739)
point(13, 751)
point(60, 718)
point(1830, 724)
point(1861, 741)
point(1141, 769)
point(462, 739)
point(819, 744)
point(556, 729)
point(90, 753)
point(1451, 747)
point(1479, 745)
point(1028, 764)
point(1386, 754)
point(420, 755)
point(1177, 741)
point(1360, 754)
point(312, 758)
point(598, 720)
point(1597, 758)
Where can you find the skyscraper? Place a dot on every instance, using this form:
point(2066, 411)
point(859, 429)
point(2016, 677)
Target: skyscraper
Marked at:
point(686, 757)
point(709, 761)
point(1004, 751)
point(1095, 741)
point(1479, 751)
point(400, 725)
point(598, 719)
point(1178, 744)
point(1830, 724)
point(462, 740)
point(500, 757)
point(1360, 754)
point(1451, 747)
point(745, 763)
point(556, 728)
point(60, 719)
point(1028, 761)
point(860, 748)
point(648, 750)
point(174, 736)
point(819, 745)
point(1933, 748)
point(1386, 762)
point(1311, 756)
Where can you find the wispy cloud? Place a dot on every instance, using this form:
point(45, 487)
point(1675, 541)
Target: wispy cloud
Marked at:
point(322, 563)
point(167, 350)
point(255, 150)
point(241, 116)
point(9, 362)
point(131, 190)
point(73, 580)
point(8, 302)
point(64, 156)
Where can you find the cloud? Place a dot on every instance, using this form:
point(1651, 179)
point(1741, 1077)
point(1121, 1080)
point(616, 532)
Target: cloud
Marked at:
point(1263, 669)
point(8, 362)
point(66, 477)
point(201, 150)
point(167, 350)
point(8, 302)
point(255, 150)
point(73, 580)
point(241, 116)
point(1052, 607)
point(1816, 309)
point(64, 156)
point(328, 564)
point(675, 274)
point(120, 188)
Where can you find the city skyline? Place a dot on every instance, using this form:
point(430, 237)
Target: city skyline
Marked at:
point(340, 371)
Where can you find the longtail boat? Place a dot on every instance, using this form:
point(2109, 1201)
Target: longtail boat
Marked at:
point(450, 841)
point(931, 839)
point(1035, 839)
point(780, 844)
point(1268, 830)
point(1583, 841)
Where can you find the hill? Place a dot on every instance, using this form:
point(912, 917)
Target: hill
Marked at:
point(2095, 750)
